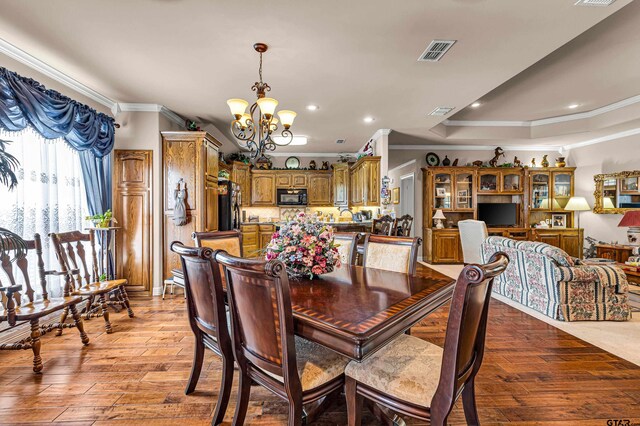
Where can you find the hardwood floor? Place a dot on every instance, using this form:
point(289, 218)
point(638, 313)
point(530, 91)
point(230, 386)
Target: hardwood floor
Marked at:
point(532, 373)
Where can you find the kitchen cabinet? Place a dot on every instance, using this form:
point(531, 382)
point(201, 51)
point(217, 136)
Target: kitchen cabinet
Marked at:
point(263, 188)
point(340, 186)
point(255, 238)
point(365, 182)
point(295, 180)
point(319, 191)
point(241, 174)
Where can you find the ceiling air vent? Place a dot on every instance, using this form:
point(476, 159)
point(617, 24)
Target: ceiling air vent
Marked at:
point(436, 50)
point(340, 141)
point(441, 111)
point(594, 2)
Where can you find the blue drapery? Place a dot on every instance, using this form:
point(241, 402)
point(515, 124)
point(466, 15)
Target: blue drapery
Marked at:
point(24, 102)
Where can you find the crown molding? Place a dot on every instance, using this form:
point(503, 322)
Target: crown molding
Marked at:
point(546, 121)
point(309, 154)
point(607, 138)
point(23, 57)
point(522, 148)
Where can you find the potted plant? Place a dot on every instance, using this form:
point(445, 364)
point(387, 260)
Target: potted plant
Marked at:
point(102, 220)
point(8, 240)
point(306, 246)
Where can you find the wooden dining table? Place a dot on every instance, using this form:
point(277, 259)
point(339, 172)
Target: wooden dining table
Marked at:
point(356, 310)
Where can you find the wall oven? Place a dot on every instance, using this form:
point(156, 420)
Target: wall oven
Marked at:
point(291, 197)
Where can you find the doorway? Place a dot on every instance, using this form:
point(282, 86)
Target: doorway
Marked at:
point(407, 197)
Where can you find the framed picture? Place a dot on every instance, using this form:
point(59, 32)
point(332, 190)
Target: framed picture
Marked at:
point(395, 195)
point(463, 196)
point(440, 192)
point(559, 221)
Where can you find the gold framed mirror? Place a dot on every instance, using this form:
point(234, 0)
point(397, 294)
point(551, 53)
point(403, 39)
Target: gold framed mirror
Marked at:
point(617, 193)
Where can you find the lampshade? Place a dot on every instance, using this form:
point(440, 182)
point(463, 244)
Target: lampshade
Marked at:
point(545, 204)
point(243, 120)
point(630, 219)
point(607, 203)
point(237, 107)
point(267, 106)
point(287, 117)
point(273, 125)
point(439, 215)
point(577, 204)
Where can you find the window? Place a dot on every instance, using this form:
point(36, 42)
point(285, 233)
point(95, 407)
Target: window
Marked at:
point(50, 195)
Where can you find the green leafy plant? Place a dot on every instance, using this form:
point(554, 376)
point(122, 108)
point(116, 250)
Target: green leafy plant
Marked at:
point(103, 277)
point(8, 166)
point(102, 220)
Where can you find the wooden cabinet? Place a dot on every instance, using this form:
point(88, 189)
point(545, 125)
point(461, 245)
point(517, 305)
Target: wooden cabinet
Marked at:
point(619, 253)
point(295, 180)
point(341, 184)
point(569, 240)
point(365, 182)
point(319, 191)
point(447, 247)
point(263, 188)
point(298, 180)
point(241, 174)
point(193, 158)
point(265, 234)
point(255, 238)
point(501, 181)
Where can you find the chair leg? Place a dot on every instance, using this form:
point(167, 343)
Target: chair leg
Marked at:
point(77, 319)
point(196, 366)
point(35, 345)
point(295, 413)
point(105, 314)
point(164, 289)
point(63, 318)
point(89, 305)
point(244, 391)
point(469, 404)
point(354, 402)
point(225, 390)
point(125, 299)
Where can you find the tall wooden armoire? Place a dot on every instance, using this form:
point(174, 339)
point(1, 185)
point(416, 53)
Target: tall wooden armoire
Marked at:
point(193, 158)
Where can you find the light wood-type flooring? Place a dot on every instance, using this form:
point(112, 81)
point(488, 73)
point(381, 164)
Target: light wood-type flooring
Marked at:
point(532, 373)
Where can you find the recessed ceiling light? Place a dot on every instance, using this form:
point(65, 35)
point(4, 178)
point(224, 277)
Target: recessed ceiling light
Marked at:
point(312, 107)
point(369, 119)
point(297, 140)
point(573, 106)
point(475, 104)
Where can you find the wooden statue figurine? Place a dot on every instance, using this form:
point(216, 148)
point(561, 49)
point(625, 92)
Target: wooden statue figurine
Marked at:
point(533, 162)
point(545, 162)
point(516, 162)
point(497, 154)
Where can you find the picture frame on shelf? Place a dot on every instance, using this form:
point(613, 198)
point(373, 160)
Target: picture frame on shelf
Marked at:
point(463, 196)
point(441, 192)
point(395, 195)
point(559, 221)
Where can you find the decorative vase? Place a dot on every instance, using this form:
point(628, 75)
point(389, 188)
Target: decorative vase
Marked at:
point(560, 162)
point(446, 161)
point(545, 162)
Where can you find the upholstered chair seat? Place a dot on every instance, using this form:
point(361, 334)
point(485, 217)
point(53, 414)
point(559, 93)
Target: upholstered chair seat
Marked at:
point(317, 365)
point(396, 254)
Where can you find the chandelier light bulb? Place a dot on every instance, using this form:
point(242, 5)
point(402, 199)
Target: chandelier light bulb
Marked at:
point(237, 107)
point(287, 117)
point(267, 106)
point(243, 120)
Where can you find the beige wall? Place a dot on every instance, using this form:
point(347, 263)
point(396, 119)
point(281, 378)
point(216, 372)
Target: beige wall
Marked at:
point(607, 157)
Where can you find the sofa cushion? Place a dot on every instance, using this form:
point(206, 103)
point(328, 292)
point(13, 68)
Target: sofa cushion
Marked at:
point(559, 256)
point(501, 241)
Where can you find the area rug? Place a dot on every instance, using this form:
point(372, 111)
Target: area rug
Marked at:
point(619, 338)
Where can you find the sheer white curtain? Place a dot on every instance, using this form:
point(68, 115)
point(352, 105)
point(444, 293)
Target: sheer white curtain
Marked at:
point(49, 197)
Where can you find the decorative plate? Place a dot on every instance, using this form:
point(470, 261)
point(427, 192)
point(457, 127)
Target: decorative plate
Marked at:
point(292, 163)
point(432, 159)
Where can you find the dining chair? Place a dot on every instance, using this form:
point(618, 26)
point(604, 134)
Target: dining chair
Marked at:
point(347, 246)
point(413, 377)
point(207, 318)
point(403, 226)
point(294, 369)
point(229, 241)
point(385, 225)
point(398, 254)
point(472, 235)
point(18, 307)
point(81, 277)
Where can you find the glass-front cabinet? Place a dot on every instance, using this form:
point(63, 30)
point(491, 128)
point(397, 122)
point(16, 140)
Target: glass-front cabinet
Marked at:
point(464, 190)
point(512, 182)
point(489, 182)
point(540, 190)
point(443, 190)
point(562, 189)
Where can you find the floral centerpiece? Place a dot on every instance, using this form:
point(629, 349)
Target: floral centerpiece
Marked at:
point(305, 245)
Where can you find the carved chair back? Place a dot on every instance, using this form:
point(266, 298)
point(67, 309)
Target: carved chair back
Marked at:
point(261, 317)
point(229, 241)
point(72, 256)
point(403, 226)
point(399, 254)
point(466, 329)
point(205, 295)
point(348, 246)
point(385, 225)
point(22, 266)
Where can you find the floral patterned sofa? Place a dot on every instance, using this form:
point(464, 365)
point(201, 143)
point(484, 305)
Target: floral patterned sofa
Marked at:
point(547, 279)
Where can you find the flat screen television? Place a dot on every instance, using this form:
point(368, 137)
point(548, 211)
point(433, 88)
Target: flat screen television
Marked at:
point(498, 214)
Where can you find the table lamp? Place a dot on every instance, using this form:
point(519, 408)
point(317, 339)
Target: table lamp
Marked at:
point(438, 218)
point(632, 220)
point(577, 204)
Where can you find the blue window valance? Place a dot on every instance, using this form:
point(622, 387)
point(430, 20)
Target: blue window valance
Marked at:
point(24, 102)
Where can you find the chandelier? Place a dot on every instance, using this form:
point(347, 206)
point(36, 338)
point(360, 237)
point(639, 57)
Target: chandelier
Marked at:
point(255, 130)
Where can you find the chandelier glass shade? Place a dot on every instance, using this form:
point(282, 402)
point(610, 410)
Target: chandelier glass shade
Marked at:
point(256, 127)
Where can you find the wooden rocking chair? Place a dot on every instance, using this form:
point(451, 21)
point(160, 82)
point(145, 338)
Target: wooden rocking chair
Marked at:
point(83, 280)
point(17, 311)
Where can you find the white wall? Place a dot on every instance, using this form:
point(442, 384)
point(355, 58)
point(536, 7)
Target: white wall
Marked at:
point(607, 157)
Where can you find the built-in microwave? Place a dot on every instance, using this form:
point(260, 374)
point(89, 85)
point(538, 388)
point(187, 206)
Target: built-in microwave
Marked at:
point(292, 197)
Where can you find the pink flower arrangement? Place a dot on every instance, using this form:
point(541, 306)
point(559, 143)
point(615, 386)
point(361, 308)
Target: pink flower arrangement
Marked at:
point(306, 246)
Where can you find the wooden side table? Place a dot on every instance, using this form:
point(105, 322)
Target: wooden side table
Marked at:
point(618, 252)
